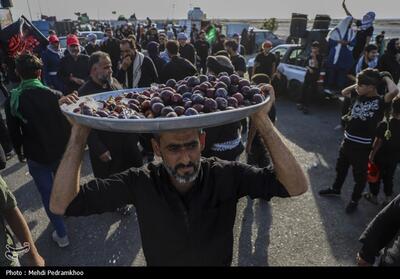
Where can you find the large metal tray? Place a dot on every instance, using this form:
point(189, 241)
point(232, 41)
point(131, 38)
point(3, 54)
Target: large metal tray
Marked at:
point(155, 125)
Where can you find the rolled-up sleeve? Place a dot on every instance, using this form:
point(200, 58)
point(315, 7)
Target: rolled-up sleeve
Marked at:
point(257, 182)
point(105, 195)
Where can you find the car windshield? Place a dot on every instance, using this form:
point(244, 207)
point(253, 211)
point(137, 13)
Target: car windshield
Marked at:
point(297, 57)
point(281, 50)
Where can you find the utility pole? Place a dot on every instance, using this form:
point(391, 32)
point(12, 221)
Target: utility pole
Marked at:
point(40, 9)
point(29, 8)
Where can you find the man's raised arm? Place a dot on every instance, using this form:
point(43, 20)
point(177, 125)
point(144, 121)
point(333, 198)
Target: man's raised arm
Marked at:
point(66, 182)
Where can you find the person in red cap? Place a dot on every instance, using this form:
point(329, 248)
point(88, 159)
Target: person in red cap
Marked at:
point(51, 58)
point(74, 67)
point(265, 61)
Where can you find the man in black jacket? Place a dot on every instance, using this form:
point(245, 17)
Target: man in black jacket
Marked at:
point(136, 70)
point(37, 126)
point(111, 46)
point(203, 50)
point(109, 152)
point(178, 68)
point(74, 68)
point(185, 204)
point(186, 50)
point(382, 233)
point(390, 61)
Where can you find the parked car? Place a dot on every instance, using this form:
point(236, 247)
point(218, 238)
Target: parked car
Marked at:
point(291, 70)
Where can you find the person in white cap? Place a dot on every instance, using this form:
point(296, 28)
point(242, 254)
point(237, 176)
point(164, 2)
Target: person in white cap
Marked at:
point(92, 46)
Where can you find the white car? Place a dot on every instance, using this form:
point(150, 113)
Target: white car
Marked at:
point(291, 69)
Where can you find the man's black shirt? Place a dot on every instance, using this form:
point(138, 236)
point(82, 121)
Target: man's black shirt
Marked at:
point(188, 52)
point(263, 63)
point(112, 47)
point(191, 229)
point(178, 68)
point(202, 49)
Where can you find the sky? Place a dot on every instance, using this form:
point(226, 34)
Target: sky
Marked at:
point(229, 9)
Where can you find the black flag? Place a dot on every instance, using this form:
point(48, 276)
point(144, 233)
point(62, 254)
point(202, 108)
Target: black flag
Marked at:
point(21, 36)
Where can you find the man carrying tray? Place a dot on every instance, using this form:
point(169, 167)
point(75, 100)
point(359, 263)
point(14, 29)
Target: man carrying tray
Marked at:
point(186, 205)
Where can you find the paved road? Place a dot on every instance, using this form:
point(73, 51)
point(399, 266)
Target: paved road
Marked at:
point(302, 231)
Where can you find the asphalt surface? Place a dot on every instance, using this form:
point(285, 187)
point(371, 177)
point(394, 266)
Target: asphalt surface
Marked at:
point(302, 231)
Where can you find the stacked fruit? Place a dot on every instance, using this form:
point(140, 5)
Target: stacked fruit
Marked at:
point(191, 96)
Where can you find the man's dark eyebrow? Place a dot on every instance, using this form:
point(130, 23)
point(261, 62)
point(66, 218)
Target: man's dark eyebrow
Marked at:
point(182, 145)
point(174, 146)
point(191, 143)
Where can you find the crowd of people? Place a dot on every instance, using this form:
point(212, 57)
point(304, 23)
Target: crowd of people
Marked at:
point(193, 191)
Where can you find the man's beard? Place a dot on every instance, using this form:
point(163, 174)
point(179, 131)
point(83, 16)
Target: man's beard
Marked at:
point(186, 178)
point(106, 80)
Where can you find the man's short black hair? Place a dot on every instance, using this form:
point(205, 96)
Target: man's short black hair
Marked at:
point(27, 65)
point(370, 47)
point(232, 44)
point(369, 77)
point(95, 58)
point(157, 136)
point(172, 47)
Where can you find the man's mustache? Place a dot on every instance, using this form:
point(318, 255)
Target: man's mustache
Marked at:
point(179, 166)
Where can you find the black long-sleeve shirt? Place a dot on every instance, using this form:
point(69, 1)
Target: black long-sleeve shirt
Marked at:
point(112, 47)
point(191, 229)
point(188, 52)
point(202, 49)
point(178, 68)
point(380, 233)
point(389, 63)
point(45, 134)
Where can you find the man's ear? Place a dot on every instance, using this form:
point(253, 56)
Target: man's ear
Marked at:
point(202, 138)
point(156, 147)
point(39, 73)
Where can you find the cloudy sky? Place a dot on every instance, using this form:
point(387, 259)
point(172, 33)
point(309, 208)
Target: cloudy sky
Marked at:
point(236, 9)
